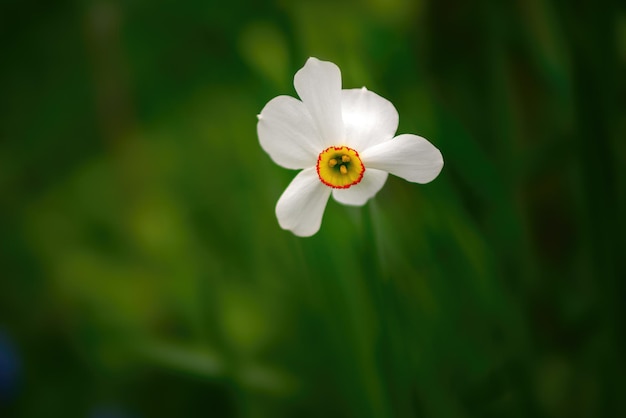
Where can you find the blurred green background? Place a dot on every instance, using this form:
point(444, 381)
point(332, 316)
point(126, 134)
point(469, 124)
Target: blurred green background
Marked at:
point(142, 269)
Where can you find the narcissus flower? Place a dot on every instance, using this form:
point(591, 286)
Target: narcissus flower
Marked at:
point(344, 143)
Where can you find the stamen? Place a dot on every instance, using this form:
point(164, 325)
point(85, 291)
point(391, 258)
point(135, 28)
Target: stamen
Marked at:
point(332, 162)
point(345, 158)
point(343, 169)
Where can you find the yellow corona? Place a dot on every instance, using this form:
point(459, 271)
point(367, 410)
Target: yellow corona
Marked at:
point(340, 167)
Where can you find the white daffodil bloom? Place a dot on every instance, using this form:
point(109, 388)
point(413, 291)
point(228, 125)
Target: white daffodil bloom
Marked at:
point(343, 141)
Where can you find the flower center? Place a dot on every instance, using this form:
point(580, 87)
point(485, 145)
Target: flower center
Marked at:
point(340, 167)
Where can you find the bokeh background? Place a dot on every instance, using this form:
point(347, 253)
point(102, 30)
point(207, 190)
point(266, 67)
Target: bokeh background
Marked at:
point(142, 270)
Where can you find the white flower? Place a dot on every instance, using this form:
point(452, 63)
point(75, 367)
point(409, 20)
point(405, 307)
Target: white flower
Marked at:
point(343, 140)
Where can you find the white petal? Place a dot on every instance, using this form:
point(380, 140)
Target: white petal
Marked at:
point(318, 84)
point(369, 119)
point(301, 206)
point(287, 133)
point(408, 156)
point(373, 180)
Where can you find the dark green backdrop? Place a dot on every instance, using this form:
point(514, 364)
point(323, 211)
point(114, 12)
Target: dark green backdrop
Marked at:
point(142, 270)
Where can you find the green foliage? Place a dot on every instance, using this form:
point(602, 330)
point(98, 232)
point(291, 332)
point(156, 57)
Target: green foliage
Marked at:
point(143, 269)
